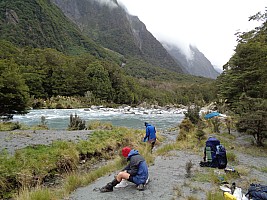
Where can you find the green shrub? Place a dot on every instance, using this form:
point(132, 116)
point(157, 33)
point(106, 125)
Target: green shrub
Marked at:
point(76, 123)
point(200, 134)
point(186, 125)
point(193, 114)
point(216, 124)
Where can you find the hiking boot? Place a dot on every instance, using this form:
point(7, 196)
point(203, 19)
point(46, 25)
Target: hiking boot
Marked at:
point(107, 188)
point(140, 187)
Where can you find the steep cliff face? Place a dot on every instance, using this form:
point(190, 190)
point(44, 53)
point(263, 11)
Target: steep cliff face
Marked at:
point(107, 23)
point(195, 64)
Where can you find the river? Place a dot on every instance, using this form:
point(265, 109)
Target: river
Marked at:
point(58, 119)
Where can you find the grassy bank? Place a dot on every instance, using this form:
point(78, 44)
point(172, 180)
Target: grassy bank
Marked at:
point(31, 171)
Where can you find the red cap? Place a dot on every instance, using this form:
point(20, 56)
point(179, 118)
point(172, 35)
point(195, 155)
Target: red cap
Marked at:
point(125, 151)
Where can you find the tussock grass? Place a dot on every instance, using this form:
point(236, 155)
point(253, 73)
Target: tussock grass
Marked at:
point(231, 157)
point(263, 169)
point(215, 195)
point(192, 198)
point(254, 150)
point(146, 153)
point(212, 175)
point(94, 125)
point(72, 182)
point(243, 170)
point(177, 191)
point(164, 150)
point(201, 177)
point(9, 126)
point(34, 194)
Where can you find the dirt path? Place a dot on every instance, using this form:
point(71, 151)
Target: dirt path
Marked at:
point(169, 181)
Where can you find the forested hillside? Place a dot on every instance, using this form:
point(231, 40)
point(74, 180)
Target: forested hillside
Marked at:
point(41, 24)
point(242, 87)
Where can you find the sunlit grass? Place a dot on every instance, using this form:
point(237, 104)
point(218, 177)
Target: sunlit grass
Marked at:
point(231, 156)
point(94, 125)
point(164, 150)
point(215, 195)
point(263, 169)
point(191, 197)
point(10, 126)
point(243, 170)
point(37, 193)
point(201, 177)
point(177, 191)
point(254, 150)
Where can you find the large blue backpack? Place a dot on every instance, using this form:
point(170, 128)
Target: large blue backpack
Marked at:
point(210, 151)
point(215, 153)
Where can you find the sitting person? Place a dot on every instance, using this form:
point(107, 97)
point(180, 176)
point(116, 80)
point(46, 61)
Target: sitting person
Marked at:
point(136, 171)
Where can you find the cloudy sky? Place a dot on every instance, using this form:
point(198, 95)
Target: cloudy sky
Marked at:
point(210, 25)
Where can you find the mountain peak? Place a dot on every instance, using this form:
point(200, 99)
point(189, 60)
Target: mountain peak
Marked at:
point(192, 60)
point(117, 30)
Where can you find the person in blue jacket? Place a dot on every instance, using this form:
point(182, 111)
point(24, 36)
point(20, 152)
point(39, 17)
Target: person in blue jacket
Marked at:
point(150, 135)
point(136, 171)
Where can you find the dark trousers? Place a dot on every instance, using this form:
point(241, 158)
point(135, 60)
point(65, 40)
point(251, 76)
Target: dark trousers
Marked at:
point(152, 145)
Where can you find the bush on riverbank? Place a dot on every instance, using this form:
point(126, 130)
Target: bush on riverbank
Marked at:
point(76, 123)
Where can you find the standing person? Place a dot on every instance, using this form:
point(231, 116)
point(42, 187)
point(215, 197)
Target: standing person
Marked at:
point(136, 171)
point(150, 135)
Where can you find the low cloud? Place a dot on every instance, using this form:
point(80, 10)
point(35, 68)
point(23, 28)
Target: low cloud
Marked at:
point(109, 3)
point(183, 45)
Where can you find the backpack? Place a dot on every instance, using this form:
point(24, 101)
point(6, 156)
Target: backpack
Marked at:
point(257, 192)
point(210, 151)
point(221, 156)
